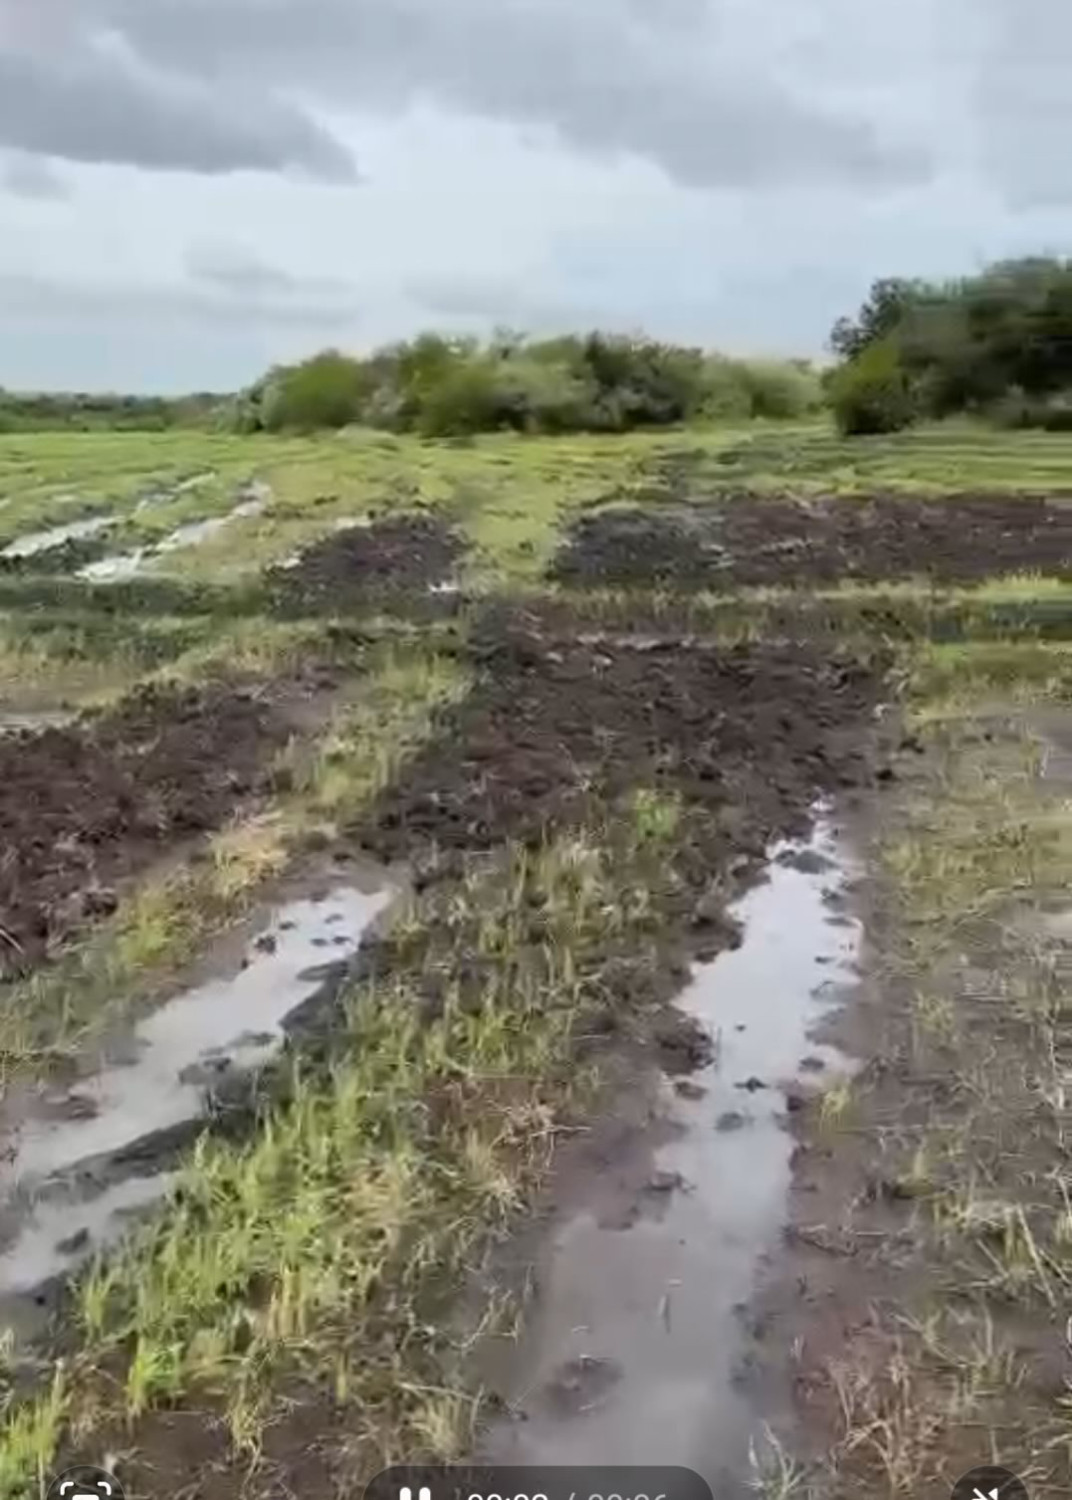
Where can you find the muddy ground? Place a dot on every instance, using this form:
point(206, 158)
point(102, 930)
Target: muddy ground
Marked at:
point(558, 728)
point(749, 541)
point(84, 807)
point(383, 560)
point(556, 735)
point(572, 715)
point(915, 1323)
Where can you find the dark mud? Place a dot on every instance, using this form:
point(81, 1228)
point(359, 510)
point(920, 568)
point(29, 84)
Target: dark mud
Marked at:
point(748, 541)
point(556, 729)
point(558, 734)
point(402, 555)
point(83, 807)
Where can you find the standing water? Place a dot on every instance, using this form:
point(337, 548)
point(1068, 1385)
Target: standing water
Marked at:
point(43, 541)
point(634, 1344)
point(82, 1159)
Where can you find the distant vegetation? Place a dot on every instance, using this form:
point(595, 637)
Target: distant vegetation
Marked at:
point(998, 344)
point(44, 411)
point(444, 387)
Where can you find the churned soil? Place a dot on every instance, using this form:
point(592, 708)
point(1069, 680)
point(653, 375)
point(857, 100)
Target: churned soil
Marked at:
point(85, 806)
point(403, 554)
point(749, 541)
point(558, 727)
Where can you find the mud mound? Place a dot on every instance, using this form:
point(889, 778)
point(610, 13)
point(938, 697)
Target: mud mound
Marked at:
point(84, 806)
point(407, 554)
point(747, 541)
point(557, 726)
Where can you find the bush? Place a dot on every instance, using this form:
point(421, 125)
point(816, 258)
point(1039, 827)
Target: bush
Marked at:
point(461, 399)
point(781, 388)
point(456, 387)
point(999, 342)
point(724, 394)
point(328, 390)
point(1016, 409)
point(872, 392)
point(541, 395)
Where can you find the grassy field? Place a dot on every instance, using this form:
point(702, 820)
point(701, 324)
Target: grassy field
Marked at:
point(296, 1296)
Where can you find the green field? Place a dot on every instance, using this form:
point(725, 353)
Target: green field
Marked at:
point(300, 1287)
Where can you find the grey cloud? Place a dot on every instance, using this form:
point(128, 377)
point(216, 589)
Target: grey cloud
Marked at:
point(609, 75)
point(1024, 99)
point(99, 103)
point(31, 177)
point(29, 296)
point(236, 272)
point(507, 302)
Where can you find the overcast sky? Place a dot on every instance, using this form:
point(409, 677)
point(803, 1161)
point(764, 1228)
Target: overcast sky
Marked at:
point(192, 189)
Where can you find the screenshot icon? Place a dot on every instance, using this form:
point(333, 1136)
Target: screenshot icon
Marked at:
point(989, 1483)
point(85, 1482)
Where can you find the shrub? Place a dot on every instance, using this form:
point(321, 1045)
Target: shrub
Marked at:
point(326, 391)
point(1016, 409)
point(541, 395)
point(872, 393)
point(781, 388)
point(461, 399)
point(724, 394)
point(455, 387)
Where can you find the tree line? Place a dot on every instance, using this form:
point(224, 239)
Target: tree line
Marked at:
point(444, 387)
point(47, 411)
point(997, 344)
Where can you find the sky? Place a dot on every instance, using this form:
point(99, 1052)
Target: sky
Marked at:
point(192, 190)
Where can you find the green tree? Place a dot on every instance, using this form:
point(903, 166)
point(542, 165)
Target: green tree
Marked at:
point(872, 393)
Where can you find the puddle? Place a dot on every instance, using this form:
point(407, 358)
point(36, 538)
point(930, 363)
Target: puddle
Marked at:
point(33, 722)
point(81, 1159)
point(448, 586)
point(634, 1346)
point(109, 569)
point(257, 491)
point(127, 564)
point(192, 533)
point(43, 541)
point(161, 494)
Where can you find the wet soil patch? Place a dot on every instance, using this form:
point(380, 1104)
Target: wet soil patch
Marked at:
point(926, 1244)
point(747, 541)
point(557, 726)
point(403, 555)
point(64, 558)
point(82, 807)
